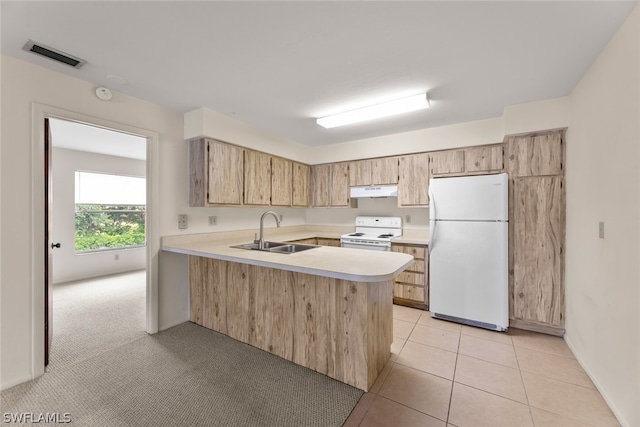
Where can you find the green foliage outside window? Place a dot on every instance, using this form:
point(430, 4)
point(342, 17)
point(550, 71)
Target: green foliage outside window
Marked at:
point(109, 227)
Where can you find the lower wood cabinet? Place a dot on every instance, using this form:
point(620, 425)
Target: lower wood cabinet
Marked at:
point(411, 287)
point(323, 241)
point(309, 241)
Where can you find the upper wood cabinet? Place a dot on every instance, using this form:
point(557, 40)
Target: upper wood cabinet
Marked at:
point(257, 178)
point(225, 174)
point(468, 161)
point(484, 159)
point(380, 171)
point(446, 162)
point(330, 185)
point(413, 185)
point(339, 193)
point(536, 155)
point(216, 173)
point(281, 182)
point(360, 173)
point(301, 185)
point(320, 182)
point(384, 170)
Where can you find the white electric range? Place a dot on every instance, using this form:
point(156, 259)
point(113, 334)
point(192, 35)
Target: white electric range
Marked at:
point(373, 233)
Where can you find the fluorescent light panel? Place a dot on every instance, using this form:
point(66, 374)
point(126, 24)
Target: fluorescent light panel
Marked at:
point(391, 108)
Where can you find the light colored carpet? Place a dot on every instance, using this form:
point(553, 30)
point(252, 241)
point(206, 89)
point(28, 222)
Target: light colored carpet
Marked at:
point(96, 315)
point(185, 376)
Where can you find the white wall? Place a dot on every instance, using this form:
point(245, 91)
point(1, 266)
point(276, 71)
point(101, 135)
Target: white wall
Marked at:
point(489, 131)
point(603, 184)
point(67, 265)
point(205, 122)
point(23, 84)
point(370, 207)
point(535, 116)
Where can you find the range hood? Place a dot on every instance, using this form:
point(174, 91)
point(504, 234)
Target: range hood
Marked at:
point(377, 191)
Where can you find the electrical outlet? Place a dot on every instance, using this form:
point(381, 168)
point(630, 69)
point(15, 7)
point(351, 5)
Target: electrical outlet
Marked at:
point(281, 216)
point(407, 219)
point(116, 257)
point(183, 221)
point(213, 220)
point(601, 229)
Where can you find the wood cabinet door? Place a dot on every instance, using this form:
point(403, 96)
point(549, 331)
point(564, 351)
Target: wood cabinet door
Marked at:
point(384, 171)
point(538, 217)
point(535, 155)
point(447, 162)
point(483, 159)
point(226, 173)
point(413, 185)
point(413, 283)
point(301, 184)
point(339, 194)
point(360, 173)
point(281, 182)
point(257, 178)
point(321, 179)
point(324, 241)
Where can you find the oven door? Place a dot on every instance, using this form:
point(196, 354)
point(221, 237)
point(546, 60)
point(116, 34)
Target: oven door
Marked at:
point(372, 246)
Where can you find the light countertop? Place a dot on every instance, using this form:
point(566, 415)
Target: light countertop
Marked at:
point(341, 263)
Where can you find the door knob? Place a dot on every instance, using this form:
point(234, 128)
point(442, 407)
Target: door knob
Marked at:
point(55, 245)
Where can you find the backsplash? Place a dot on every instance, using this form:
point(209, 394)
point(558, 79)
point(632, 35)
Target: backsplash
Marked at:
point(369, 207)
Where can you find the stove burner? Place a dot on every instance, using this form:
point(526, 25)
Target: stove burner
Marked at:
point(356, 234)
point(385, 235)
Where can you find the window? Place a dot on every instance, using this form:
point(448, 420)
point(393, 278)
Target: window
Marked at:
point(110, 211)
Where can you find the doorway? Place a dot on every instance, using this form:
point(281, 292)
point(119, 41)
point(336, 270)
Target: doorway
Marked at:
point(41, 112)
point(97, 228)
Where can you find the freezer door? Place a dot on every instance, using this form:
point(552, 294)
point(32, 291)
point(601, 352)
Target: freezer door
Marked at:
point(470, 198)
point(468, 271)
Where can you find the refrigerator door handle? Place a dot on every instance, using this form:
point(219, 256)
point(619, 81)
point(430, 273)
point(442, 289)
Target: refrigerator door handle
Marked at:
point(432, 224)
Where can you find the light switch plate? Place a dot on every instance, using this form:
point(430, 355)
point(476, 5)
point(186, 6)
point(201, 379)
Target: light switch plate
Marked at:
point(601, 229)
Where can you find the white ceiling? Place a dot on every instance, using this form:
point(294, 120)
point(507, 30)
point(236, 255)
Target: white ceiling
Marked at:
point(279, 65)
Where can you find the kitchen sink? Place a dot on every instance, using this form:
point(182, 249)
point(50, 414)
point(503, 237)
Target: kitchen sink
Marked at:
point(283, 248)
point(254, 245)
point(293, 248)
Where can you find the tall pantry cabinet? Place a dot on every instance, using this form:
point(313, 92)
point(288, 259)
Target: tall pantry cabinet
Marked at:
point(535, 163)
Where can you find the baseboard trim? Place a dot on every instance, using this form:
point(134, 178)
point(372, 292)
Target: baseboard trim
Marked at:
point(15, 382)
point(534, 327)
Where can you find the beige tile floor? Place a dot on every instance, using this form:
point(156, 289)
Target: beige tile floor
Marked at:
point(442, 374)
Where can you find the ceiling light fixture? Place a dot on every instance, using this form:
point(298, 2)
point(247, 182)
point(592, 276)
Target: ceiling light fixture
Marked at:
point(403, 105)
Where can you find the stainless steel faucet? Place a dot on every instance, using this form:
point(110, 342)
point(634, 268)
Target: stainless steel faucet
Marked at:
point(275, 215)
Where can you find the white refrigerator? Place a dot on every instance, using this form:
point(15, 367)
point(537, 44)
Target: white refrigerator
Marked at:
point(468, 250)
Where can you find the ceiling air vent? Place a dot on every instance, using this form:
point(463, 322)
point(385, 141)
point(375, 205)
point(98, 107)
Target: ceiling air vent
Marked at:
point(55, 54)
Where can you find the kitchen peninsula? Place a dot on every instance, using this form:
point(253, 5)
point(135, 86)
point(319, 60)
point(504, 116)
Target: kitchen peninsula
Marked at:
point(327, 308)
